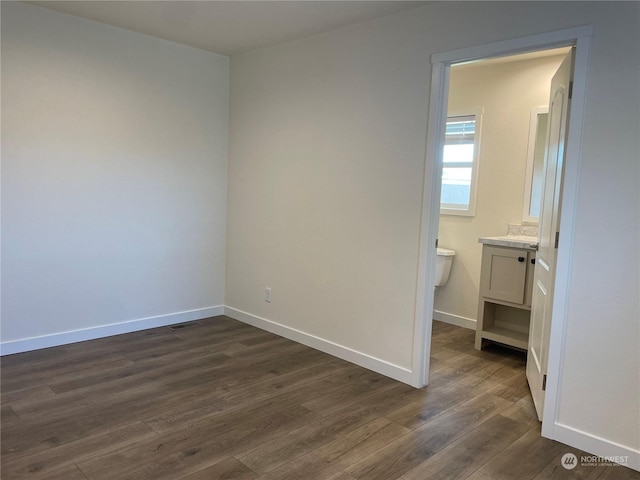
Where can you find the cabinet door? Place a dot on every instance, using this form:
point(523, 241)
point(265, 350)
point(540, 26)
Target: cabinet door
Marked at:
point(503, 273)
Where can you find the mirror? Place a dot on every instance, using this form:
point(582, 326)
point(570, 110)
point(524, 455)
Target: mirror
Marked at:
point(534, 176)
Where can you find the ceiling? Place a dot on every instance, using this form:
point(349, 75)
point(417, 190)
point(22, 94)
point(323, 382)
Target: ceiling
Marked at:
point(229, 27)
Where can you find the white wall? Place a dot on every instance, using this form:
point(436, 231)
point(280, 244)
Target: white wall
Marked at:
point(507, 92)
point(323, 190)
point(325, 185)
point(114, 148)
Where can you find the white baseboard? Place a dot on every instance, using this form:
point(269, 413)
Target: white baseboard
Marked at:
point(64, 338)
point(595, 445)
point(383, 367)
point(465, 322)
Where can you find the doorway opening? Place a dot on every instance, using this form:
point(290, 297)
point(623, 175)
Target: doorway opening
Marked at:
point(488, 163)
point(441, 67)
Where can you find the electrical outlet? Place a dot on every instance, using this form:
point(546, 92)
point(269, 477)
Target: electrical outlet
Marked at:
point(267, 294)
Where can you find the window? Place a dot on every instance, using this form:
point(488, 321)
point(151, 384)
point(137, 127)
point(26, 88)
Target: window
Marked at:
point(460, 165)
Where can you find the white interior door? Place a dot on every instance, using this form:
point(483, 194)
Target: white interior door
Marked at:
point(544, 275)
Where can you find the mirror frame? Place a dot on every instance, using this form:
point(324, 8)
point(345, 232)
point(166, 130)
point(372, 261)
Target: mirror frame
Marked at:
point(527, 219)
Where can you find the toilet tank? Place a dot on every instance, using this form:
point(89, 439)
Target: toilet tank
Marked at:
point(444, 260)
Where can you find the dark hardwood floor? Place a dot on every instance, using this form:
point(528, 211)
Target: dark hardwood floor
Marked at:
point(223, 400)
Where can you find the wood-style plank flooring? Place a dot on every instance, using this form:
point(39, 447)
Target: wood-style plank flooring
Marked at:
point(223, 400)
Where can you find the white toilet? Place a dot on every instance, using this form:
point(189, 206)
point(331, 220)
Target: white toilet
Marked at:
point(443, 265)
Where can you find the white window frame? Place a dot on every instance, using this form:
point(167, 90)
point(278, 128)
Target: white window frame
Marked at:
point(470, 209)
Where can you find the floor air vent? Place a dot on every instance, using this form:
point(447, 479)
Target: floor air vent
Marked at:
point(180, 326)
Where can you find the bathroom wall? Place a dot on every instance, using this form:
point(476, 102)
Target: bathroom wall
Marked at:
point(506, 92)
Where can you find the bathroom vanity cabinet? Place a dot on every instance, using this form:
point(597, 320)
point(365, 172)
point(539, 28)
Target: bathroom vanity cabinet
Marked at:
point(506, 286)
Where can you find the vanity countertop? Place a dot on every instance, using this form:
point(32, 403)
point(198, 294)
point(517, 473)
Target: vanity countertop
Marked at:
point(516, 241)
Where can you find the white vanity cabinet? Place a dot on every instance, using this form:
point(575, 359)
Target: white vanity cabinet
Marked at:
point(506, 285)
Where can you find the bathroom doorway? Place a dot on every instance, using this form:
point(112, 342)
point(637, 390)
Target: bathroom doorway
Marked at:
point(485, 166)
point(442, 64)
